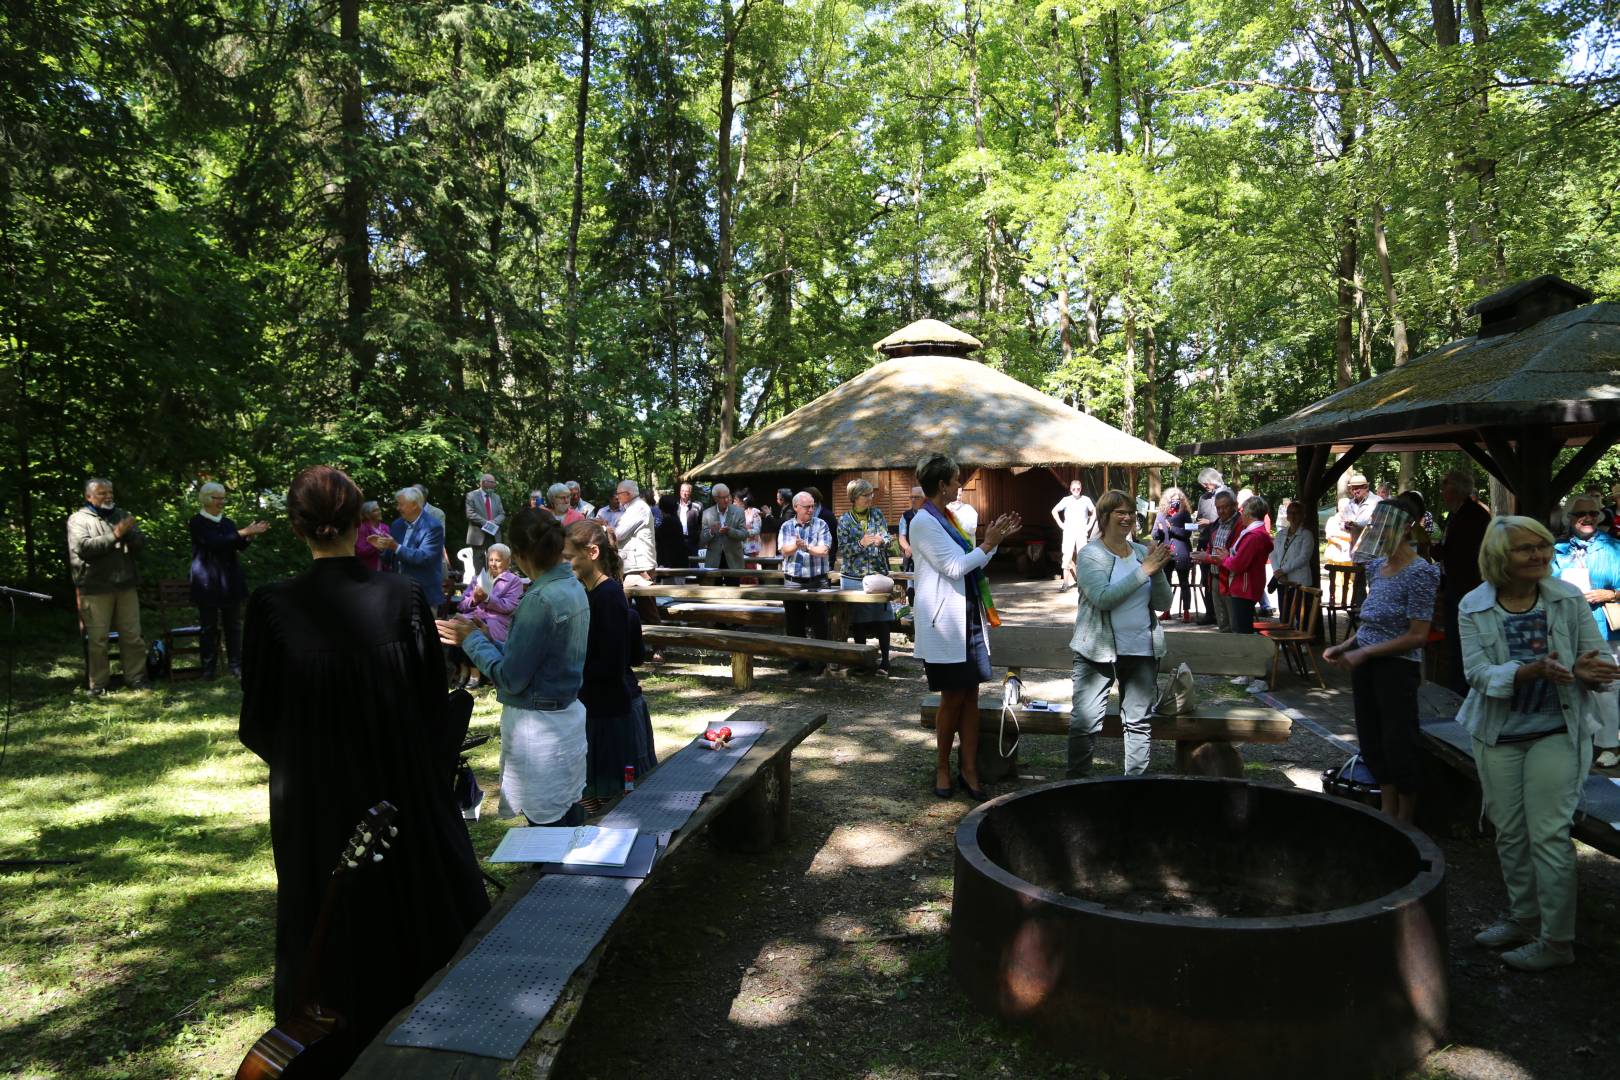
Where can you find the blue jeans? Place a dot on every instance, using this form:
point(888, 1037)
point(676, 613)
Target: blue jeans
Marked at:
point(1138, 678)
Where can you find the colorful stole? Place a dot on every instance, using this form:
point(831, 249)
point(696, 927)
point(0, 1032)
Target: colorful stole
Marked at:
point(976, 579)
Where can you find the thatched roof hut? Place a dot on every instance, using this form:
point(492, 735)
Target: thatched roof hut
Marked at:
point(1018, 447)
point(931, 395)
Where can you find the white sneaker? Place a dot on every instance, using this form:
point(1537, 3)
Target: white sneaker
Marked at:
point(1608, 759)
point(1241, 680)
point(1259, 686)
point(1540, 956)
point(1504, 934)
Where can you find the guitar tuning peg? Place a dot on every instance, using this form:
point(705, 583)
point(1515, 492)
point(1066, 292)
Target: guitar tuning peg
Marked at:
point(352, 864)
point(377, 856)
point(365, 836)
point(386, 845)
point(393, 830)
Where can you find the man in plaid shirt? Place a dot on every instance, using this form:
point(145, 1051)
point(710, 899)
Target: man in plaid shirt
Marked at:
point(804, 544)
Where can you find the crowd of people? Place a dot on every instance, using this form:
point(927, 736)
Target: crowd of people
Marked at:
point(348, 663)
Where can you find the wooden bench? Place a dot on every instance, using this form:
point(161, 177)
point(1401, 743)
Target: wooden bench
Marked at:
point(1450, 743)
point(744, 647)
point(1204, 739)
point(748, 810)
point(760, 614)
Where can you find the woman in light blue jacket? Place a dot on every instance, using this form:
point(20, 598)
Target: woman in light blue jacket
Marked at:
point(1117, 637)
point(1534, 662)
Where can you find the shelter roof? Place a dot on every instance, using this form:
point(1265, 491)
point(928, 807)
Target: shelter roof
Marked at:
point(1563, 372)
point(891, 414)
point(929, 332)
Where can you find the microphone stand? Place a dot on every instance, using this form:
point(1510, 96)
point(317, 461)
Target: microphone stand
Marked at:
point(11, 596)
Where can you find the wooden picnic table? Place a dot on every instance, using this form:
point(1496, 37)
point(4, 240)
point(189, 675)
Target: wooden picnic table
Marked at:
point(721, 572)
point(749, 808)
point(836, 599)
point(752, 560)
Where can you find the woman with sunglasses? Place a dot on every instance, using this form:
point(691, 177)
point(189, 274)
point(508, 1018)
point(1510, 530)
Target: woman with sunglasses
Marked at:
point(1385, 658)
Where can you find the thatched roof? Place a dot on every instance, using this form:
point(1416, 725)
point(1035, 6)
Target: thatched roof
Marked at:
point(929, 332)
point(890, 415)
point(1563, 371)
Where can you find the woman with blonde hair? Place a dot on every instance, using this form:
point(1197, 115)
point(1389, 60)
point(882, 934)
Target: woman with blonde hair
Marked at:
point(1535, 663)
point(863, 550)
point(1117, 637)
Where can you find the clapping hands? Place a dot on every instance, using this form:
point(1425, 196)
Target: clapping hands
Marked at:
point(254, 529)
point(1158, 555)
point(1003, 527)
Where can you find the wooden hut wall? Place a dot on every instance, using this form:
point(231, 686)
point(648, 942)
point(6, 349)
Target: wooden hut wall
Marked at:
point(893, 490)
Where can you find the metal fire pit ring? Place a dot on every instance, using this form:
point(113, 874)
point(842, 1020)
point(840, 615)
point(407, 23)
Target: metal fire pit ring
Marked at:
point(1334, 964)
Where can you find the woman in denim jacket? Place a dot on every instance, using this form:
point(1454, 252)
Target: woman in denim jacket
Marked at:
point(537, 674)
point(1535, 662)
point(1117, 637)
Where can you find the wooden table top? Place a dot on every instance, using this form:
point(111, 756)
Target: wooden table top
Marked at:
point(756, 592)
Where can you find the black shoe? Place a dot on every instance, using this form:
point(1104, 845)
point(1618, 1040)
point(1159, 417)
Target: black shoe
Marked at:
point(1206, 621)
point(944, 792)
point(976, 794)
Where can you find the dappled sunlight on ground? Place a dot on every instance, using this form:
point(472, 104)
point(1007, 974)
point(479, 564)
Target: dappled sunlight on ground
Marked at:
point(862, 846)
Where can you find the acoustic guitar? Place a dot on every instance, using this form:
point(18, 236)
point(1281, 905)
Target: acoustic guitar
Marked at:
point(318, 1042)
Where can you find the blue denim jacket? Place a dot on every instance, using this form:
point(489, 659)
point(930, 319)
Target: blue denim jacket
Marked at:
point(542, 664)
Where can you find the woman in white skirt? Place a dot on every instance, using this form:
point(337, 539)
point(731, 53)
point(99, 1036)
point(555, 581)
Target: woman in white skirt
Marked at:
point(537, 674)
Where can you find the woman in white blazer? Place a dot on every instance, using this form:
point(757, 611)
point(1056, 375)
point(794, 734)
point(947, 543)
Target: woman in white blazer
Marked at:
point(948, 616)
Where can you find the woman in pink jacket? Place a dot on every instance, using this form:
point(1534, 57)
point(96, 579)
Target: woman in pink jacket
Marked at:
point(1244, 565)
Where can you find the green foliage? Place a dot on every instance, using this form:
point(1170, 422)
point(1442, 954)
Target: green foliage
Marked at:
point(1164, 215)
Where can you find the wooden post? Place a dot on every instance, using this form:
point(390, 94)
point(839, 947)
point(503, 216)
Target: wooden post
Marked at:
point(742, 670)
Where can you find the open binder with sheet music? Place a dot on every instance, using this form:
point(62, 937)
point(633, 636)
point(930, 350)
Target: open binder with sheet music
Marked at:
point(586, 845)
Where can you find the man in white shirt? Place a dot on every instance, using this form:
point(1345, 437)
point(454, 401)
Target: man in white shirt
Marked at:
point(577, 501)
point(1077, 517)
point(690, 514)
point(634, 532)
point(1358, 514)
point(966, 516)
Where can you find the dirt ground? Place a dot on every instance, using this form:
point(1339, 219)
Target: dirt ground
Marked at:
point(828, 955)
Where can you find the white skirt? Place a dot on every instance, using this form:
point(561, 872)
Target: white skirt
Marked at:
point(543, 757)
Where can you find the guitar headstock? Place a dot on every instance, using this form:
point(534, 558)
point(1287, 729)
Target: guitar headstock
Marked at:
point(370, 838)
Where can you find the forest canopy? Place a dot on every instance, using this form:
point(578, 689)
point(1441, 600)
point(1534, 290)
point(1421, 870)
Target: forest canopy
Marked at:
point(603, 238)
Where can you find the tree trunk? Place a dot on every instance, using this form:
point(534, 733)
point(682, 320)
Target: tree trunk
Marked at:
point(353, 214)
point(1150, 403)
point(992, 260)
point(724, 180)
point(576, 213)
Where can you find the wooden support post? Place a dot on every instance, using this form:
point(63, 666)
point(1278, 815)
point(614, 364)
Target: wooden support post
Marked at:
point(783, 768)
point(742, 670)
point(759, 818)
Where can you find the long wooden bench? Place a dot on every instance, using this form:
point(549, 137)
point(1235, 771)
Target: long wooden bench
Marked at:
point(744, 647)
point(1204, 739)
point(748, 810)
point(760, 614)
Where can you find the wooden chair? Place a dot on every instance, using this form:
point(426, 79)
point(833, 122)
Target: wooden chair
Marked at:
point(174, 600)
point(1342, 589)
point(1287, 598)
point(1295, 642)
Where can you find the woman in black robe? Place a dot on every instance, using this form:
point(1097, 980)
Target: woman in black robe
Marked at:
point(344, 697)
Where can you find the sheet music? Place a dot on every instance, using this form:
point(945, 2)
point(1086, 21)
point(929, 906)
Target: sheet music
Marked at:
point(586, 845)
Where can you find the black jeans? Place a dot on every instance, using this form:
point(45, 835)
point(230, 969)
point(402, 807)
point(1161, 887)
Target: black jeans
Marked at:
point(1384, 691)
point(803, 615)
point(1242, 614)
point(210, 617)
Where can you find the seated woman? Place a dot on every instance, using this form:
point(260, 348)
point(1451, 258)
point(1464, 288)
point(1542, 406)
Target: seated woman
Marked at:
point(618, 728)
point(1536, 665)
point(343, 696)
point(863, 548)
point(537, 674)
point(494, 607)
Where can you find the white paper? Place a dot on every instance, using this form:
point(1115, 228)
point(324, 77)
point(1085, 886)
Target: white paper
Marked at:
point(586, 845)
point(490, 527)
point(1578, 576)
point(600, 847)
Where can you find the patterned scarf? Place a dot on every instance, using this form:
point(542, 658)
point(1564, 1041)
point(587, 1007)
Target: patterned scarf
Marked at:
point(975, 578)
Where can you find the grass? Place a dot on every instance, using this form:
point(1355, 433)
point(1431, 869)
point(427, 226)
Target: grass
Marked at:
point(152, 955)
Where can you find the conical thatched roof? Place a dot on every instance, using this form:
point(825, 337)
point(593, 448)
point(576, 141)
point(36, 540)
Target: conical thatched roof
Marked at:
point(890, 415)
point(924, 332)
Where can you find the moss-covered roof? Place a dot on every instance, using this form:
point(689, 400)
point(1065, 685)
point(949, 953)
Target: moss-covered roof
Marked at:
point(1563, 370)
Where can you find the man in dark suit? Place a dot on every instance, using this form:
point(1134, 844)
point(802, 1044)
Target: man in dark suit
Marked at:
point(483, 505)
point(689, 512)
point(1466, 522)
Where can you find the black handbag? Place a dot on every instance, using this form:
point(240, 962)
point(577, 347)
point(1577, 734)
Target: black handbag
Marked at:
point(1353, 781)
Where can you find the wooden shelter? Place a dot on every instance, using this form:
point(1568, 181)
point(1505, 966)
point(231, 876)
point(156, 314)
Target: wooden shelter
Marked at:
point(1018, 447)
point(1542, 373)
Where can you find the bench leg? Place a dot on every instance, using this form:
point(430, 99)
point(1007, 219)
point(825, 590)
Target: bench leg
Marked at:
point(742, 671)
point(1208, 759)
point(760, 818)
point(993, 768)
